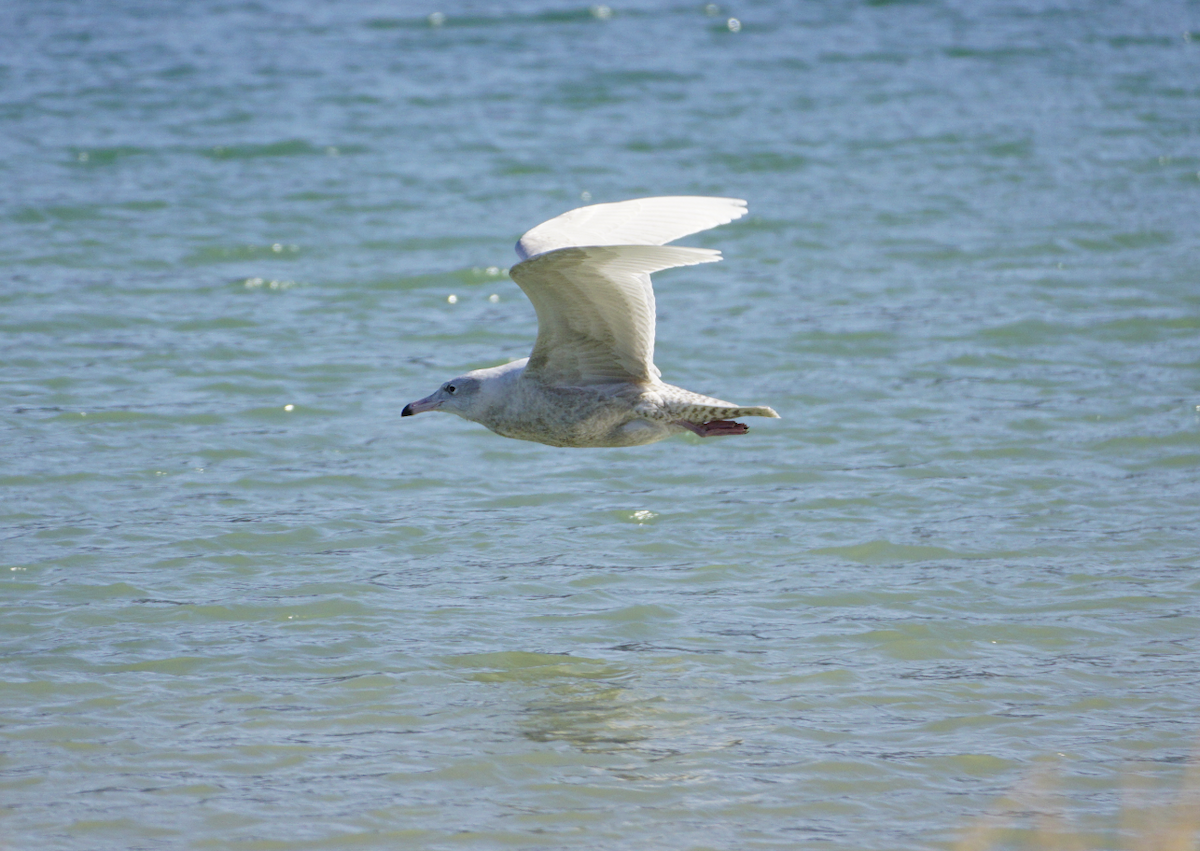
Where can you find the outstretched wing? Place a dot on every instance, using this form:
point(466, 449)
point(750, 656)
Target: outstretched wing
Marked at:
point(642, 221)
point(595, 310)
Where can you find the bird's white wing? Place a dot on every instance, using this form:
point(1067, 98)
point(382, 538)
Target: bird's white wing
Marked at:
point(595, 310)
point(642, 221)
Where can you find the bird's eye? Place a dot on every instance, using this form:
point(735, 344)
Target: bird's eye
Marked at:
point(451, 389)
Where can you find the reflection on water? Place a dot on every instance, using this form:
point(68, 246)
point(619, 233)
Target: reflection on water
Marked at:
point(591, 717)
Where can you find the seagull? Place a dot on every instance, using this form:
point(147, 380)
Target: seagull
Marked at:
point(591, 380)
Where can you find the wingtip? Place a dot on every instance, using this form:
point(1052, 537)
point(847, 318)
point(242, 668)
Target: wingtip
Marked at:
point(740, 207)
point(655, 220)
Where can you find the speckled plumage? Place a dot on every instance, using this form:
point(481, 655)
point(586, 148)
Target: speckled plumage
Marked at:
point(590, 380)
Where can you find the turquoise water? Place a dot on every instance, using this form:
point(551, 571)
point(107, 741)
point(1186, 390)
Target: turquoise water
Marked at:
point(245, 606)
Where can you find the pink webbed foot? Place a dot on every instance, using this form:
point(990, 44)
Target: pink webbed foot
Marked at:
point(714, 428)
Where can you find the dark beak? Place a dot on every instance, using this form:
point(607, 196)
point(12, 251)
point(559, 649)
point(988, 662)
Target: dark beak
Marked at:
point(429, 403)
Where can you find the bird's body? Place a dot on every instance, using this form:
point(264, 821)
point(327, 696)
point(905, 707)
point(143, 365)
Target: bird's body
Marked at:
point(590, 380)
point(617, 414)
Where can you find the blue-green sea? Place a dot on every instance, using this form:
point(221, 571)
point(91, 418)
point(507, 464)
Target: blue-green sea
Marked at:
point(244, 606)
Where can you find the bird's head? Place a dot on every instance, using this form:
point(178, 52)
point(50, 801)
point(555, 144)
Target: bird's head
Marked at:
point(456, 396)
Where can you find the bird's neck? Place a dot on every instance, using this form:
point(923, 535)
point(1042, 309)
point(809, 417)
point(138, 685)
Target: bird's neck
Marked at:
point(496, 389)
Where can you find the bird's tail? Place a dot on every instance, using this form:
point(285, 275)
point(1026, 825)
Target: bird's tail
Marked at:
point(700, 413)
point(731, 413)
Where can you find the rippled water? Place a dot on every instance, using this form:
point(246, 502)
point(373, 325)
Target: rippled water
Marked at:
point(246, 607)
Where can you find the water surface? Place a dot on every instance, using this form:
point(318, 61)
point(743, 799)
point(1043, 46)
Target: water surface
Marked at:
point(247, 607)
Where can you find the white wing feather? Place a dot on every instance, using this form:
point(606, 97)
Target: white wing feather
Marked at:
point(642, 221)
point(595, 310)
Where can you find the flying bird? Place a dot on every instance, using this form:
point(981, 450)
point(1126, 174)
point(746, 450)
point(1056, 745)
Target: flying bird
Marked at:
point(591, 378)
